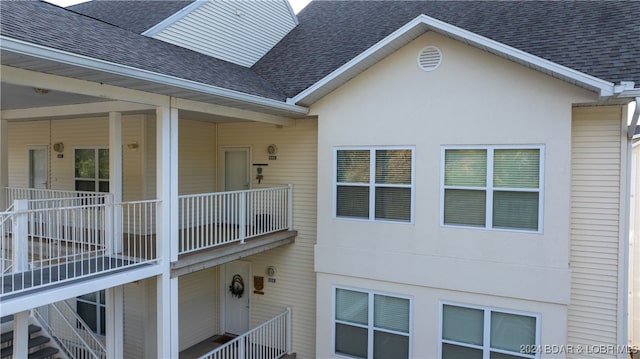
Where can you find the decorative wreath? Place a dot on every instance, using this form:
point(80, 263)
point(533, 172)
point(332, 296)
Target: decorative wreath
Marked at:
point(237, 286)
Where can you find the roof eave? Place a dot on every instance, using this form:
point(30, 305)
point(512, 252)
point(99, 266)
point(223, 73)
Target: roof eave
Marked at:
point(42, 52)
point(424, 23)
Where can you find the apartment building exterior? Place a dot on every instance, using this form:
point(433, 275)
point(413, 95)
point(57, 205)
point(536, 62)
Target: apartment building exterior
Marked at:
point(364, 179)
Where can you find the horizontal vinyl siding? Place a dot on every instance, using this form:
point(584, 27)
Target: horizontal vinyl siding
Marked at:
point(634, 252)
point(235, 31)
point(21, 136)
point(199, 298)
point(595, 226)
point(77, 133)
point(135, 302)
point(296, 163)
point(196, 157)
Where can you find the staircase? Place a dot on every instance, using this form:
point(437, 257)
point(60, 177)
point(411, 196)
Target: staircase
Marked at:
point(38, 344)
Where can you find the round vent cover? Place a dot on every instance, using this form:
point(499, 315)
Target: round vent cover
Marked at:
point(429, 58)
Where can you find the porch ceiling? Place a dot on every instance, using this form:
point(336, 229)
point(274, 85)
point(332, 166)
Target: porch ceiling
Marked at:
point(22, 103)
point(193, 262)
point(26, 97)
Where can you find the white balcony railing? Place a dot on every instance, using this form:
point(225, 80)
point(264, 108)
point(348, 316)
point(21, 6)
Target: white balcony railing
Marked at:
point(43, 244)
point(70, 331)
point(213, 219)
point(49, 198)
point(269, 340)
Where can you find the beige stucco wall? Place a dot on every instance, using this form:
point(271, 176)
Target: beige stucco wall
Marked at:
point(473, 98)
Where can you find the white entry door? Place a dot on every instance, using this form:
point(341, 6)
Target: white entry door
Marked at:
point(38, 167)
point(236, 168)
point(236, 302)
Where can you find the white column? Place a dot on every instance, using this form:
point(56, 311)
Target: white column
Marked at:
point(167, 243)
point(4, 162)
point(115, 179)
point(21, 335)
point(115, 323)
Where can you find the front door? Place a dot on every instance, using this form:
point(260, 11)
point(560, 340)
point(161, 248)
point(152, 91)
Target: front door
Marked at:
point(237, 286)
point(38, 167)
point(236, 168)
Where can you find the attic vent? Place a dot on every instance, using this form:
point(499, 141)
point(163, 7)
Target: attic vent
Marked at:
point(429, 58)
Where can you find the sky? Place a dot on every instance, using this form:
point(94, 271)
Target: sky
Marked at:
point(297, 5)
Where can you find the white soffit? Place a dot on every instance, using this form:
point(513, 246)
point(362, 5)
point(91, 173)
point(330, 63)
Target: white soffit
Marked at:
point(424, 23)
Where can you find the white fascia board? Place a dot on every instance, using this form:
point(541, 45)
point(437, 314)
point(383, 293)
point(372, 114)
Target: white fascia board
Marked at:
point(173, 18)
point(69, 58)
point(602, 87)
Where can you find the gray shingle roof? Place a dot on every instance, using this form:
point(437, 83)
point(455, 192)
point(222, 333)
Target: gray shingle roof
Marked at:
point(137, 16)
point(48, 25)
point(599, 38)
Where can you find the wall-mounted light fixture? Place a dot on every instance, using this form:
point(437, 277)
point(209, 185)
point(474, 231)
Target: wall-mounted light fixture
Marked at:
point(58, 147)
point(271, 271)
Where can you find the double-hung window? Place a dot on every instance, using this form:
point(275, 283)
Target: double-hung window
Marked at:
point(493, 187)
point(371, 325)
point(92, 169)
point(374, 183)
point(477, 333)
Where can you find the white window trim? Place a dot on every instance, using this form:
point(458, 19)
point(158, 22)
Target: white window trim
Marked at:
point(97, 180)
point(372, 184)
point(370, 327)
point(489, 189)
point(486, 346)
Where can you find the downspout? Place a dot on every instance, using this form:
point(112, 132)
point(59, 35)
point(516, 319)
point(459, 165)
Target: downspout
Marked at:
point(626, 243)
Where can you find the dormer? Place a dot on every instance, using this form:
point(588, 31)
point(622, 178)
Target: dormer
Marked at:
point(236, 31)
point(240, 32)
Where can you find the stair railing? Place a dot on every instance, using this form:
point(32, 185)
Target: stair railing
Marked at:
point(71, 332)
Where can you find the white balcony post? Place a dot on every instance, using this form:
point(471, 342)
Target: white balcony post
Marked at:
point(4, 163)
point(114, 322)
point(110, 244)
point(167, 230)
point(288, 329)
point(290, 207)
point(115, 180)
point(21, 236)
point(243, 216)
point(21, 335)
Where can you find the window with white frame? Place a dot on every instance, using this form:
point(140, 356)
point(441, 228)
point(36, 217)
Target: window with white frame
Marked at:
point(493, 187)
point(374, 183)
point(92, 169)
point(92, 309)
point(371, 325)
point(476, 333)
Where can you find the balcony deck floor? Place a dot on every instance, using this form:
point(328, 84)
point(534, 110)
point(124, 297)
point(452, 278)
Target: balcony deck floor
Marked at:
point(16, 283)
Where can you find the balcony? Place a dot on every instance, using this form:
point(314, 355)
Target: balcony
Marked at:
point(53, 237)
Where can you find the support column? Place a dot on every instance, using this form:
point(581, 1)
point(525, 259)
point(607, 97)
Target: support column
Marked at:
point(21, 335)
point(167, 236)
point(115, 180)
point(4, 163)
point(114, 298)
